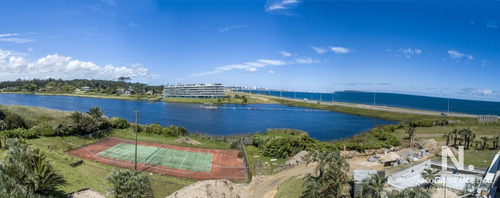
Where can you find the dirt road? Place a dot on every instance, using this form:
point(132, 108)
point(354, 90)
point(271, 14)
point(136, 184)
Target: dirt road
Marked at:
point(266, 186)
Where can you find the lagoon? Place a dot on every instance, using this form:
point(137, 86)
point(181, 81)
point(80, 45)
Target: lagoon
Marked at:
point(228, 119)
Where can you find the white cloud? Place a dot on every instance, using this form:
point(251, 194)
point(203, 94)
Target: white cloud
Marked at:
point(271, 71)
point(229, 28)
point(485, 63)
point(479, 92)
point(340, 50)
point(319, 50)
point(30, 49)
point(59, 66)
point(251, 69)
point(306, 60)
point(13, 38)
point(457, 55)
point(8, 35)
point(285, 53)
point(408, 53)
point(280, 6)
point(492, 24)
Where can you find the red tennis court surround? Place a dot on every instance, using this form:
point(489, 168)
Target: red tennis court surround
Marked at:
point(225, 163)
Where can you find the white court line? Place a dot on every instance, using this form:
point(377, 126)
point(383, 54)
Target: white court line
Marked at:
point(183, 160)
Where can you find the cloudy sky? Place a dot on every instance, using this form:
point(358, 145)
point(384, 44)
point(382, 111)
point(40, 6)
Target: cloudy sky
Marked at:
point(447, 48)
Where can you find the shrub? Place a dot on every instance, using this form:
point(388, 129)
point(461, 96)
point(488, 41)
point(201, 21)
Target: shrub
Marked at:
point(182, 131)
point(156, 128)
point(170, 130)
point(20, 133)
point(43, 130)
point(119, 123)
point(2, 115)
point(240, 154)
point(259, 140)
point(14, 121)
point(235, 145)
point(128, 183)
point(104, 125)
point(285, 147)
point(62, 129)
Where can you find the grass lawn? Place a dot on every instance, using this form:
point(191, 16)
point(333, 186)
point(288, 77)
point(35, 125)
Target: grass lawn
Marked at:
point(291, 188)
point(92, 174)
point(253, 161)
point(206, 142)
point(477, 158)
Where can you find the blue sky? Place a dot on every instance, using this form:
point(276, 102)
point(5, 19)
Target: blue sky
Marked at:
point(446, 48)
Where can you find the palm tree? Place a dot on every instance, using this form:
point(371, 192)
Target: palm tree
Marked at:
point(455, 134)
point(495, 141)
point(477, 143)
point(97, 116)
point(371, 186)
point(411, 133)
point(331, 174)
point(447, 136)
point(430, 176)
point(485, 142)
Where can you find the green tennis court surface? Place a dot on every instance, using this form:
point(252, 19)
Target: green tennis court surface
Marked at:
point(161, 156)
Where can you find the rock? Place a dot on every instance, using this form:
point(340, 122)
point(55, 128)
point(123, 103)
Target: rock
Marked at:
point(372, 159)
point(405, 162)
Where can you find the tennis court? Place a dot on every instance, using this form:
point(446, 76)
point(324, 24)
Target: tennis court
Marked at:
point(161, 156)
point(179, 161)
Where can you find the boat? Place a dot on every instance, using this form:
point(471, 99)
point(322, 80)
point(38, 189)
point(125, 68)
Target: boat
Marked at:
point(208, 106)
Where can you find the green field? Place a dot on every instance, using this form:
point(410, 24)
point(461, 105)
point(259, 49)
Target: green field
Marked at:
point(186, 160)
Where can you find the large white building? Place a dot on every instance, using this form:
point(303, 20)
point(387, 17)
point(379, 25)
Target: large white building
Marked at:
point(207, 90)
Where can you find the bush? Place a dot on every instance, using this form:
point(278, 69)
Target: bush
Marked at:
point(20, 133)
point(235, 145)
point(14, 121)
point(2, 115)
point(156, 128)
point(170, 130)
point(128, 183)
point(43, 130)
point(259, 141)
point(240, 154)
point(119, 123)
point(105, 125)
point(62, 129)
point(285, 147)
point(182, 131)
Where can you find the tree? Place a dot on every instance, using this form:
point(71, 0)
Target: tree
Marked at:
point(371, 187)
point(330, 174)
point(485, 142)
point(455, 136)
point(468, 136)
point(128, 183)
point(477, 143)
point(82, 123)
point(97, 117)
point(410, 130)
point(430, 176)
point(25, 172)
point(447, 136)
point(495, 142)
point(415, 192)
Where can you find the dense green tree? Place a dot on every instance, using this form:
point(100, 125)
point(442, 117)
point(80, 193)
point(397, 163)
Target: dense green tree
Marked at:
point(454, 132)
point(495, 142)
point(128, 183)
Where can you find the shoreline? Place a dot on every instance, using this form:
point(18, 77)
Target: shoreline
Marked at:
point(380, 112)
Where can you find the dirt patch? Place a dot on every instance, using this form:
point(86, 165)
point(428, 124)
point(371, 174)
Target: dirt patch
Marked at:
point(298, 159)
point(211, 188)
point(266, 185)
point(187, 140)
point(85, 193)
point(225, 163)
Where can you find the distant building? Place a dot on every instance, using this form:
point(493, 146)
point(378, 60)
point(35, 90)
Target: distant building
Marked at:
point(86, 89)
point(207, 90)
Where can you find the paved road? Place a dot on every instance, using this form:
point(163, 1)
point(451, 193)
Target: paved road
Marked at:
point(379, 108)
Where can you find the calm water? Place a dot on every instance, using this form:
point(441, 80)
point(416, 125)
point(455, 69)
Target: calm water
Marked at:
point(397, 100)
point(228, 120)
